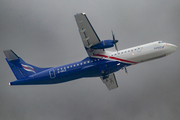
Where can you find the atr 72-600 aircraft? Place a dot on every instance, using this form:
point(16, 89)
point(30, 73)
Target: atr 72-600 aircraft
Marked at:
point(99, 63)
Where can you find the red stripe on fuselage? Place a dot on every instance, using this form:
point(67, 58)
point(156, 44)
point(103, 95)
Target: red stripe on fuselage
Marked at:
point(101, 55)
point(114, 58)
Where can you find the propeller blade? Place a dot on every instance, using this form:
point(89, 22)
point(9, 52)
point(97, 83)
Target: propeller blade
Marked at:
point(116, 47)
point(114, 41)
point(113, 36)
point(126, 70)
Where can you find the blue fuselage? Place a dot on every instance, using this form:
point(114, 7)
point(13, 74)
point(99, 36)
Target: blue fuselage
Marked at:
point(89, 67)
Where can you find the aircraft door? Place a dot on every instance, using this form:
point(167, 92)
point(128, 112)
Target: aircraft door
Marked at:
point(52, 74)
point(139, 49)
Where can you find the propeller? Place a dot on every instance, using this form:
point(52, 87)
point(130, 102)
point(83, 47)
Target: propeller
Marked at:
point(114, 41)
point(124, 68)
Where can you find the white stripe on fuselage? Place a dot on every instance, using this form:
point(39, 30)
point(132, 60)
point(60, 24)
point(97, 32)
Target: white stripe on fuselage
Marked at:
point(140, 53)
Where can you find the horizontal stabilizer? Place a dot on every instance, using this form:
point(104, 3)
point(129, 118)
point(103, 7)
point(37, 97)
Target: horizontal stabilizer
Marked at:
point(10, 55)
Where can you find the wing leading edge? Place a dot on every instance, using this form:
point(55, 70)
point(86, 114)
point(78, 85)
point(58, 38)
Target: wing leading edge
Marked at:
point(87, 32)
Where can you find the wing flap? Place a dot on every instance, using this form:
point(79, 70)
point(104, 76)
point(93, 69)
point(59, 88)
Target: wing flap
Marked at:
point(110, 82)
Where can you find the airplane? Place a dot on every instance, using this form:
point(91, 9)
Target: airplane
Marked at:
point(99, 63)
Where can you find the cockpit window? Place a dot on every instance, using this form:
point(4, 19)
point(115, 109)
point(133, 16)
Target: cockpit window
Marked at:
point(160, 42)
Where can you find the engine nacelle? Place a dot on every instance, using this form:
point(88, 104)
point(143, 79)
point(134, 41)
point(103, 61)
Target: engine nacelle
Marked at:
point(103, 44)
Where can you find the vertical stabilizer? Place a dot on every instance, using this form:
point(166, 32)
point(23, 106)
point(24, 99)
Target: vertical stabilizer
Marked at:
point(20, 68)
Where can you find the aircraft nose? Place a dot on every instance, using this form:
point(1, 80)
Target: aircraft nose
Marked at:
point(172, 47)
point(175, 46)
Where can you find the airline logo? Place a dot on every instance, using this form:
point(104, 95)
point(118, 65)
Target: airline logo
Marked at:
point(28, 68)
point(159, 47)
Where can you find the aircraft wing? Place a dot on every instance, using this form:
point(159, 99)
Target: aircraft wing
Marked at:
point(110, 82)
point(87, 33)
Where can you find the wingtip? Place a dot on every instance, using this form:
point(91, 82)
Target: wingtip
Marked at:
point(7, 50)
point(80, 13)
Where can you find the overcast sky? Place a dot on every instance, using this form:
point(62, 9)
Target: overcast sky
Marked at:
point(44, 33)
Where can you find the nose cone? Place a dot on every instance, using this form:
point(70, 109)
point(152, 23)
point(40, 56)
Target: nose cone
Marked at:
point(174, 47)
point(171, 48)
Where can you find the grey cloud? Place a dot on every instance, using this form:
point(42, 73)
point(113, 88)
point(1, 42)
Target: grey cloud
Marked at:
point(44, 33)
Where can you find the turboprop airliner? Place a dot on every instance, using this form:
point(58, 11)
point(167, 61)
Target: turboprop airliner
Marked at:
point(99, 63)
